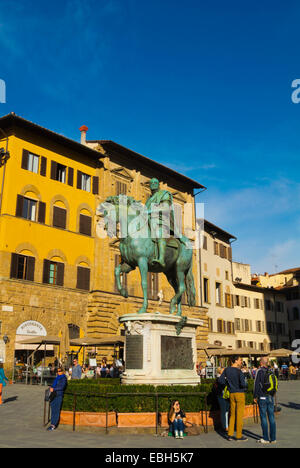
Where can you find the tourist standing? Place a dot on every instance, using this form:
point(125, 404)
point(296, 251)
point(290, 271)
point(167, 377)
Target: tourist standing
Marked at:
point(265, 402)
point(3, 380)
point(292, 372)
point(224, 403)
point(58, 388)
point(235, 380)
point(76, 370)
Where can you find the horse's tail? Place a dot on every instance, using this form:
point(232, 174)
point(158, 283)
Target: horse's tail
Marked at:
point(190, 287)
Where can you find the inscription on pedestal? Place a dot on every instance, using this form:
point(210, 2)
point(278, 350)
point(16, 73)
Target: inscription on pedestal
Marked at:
point(176, 353)
point(134, 352)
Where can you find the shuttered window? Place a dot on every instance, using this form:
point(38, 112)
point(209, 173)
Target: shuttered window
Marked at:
point(85, 225)
point(30, 161)
point(121, 188)
point(43, 169)
point(216, 248)
point(206, 289)
point(96, 185)
point(83, 181)
point(58, 172)
point(22, 267)
point(218, 294)
point(70, 176)
point(59, 217)
point(42, 212)
point(53, 273)
point(228, 301)
point(83, 278)
point(26, 208)
point(220, 326)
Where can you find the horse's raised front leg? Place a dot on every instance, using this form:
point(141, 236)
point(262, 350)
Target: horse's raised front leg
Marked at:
point(122, 268)
point(143, 266)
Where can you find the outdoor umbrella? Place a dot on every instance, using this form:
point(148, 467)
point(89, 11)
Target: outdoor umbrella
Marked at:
point(281, 353)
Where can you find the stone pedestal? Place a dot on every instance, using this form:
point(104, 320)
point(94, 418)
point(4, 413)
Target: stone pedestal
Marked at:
point(160, 349)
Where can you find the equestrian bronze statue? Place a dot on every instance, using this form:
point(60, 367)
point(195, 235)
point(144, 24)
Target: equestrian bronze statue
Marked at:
point(151, 241)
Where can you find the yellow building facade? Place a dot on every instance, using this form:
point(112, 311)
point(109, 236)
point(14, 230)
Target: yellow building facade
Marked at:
point(55, 271)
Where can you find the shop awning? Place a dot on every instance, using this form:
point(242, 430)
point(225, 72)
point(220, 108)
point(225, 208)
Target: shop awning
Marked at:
point(243, 352)
point(97, 342)
point(41, 340)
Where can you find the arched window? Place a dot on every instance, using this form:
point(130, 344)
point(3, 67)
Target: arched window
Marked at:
point(74, 331)
point(85, 223)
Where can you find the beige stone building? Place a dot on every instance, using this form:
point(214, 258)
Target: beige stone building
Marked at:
point(288, 283)
point(217, 286)
point(241, 314)
point(260, 322)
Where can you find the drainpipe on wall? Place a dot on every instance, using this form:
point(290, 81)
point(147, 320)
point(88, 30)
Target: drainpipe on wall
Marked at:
point(199, 233)
point(6, 157)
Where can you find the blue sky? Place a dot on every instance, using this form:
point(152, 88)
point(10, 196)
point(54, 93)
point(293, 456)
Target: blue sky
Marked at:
point(203, 87)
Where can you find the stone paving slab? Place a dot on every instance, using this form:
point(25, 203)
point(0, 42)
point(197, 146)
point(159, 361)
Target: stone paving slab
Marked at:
point(22, 413)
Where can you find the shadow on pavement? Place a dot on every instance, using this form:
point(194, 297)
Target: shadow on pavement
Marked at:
point(8, 400)
point(294, 406)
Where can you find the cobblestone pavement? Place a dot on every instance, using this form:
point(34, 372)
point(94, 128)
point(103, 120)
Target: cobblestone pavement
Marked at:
point(21, 418)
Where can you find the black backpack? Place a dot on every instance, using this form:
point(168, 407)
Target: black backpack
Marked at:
point(270, 384)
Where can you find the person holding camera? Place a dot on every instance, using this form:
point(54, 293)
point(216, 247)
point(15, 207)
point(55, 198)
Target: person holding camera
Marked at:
point(177, 419)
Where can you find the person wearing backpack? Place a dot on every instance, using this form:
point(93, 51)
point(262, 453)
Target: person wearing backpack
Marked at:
point(265, 387)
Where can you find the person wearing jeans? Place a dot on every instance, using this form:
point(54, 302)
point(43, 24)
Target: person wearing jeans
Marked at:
point(58, 388)
point(265, 403)
point(224, 404)
point(177, 419)
point(3, 380)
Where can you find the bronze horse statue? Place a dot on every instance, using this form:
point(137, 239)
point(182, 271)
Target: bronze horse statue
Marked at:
point(140, 251)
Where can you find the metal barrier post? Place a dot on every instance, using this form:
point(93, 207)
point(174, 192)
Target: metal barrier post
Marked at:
point(106, 422)
point(156, 400)
point(206, 417)
point(74, 411)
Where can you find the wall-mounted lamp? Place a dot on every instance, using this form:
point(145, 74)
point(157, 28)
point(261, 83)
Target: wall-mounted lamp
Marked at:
point(5, 339)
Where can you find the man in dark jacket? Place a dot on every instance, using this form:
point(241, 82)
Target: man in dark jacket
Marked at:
point(59, 386)
point(265, 403)
point(235, 380)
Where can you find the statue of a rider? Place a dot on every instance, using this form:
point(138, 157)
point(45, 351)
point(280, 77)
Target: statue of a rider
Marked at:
point(160, 210)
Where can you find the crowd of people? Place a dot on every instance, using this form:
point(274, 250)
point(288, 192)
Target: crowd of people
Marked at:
point(283, 370)
point(230, 389)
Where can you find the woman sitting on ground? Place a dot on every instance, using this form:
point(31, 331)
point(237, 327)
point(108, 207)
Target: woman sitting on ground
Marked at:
point(177, 420)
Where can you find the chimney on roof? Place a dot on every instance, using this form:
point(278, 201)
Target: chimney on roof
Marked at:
point(83, 131)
